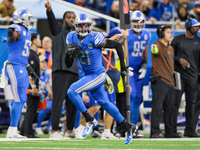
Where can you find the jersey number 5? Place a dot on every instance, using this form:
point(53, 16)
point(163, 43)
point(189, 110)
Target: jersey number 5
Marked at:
point(25, 52)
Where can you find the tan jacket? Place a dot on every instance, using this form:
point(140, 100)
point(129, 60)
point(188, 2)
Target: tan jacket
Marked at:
point(163, 63)
point(6, 12)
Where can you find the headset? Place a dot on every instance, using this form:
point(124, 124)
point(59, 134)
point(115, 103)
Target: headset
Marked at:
point(161, 32)
point(188, 24)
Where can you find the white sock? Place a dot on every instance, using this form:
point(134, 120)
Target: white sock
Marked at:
point(107, 131)
point(13, 128)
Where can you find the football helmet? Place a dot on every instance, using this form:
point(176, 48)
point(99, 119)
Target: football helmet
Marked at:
point(83, 25)
point(22, 16)
point(137, 21)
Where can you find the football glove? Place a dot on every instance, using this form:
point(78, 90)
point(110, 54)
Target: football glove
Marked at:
point(11, 31)
point(73, 50)
point(143, 71)
point(126, 71)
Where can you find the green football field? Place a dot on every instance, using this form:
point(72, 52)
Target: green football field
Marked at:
point(97, 144)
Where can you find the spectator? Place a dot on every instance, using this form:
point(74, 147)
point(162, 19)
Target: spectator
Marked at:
point(113, 12)
point(6, 11)
point(15, 68)
point(162, 84)
point(182, 13)
point(182, 16)
point(47, 45)
point(144, 8)
point(195, 11)
point(33, 100)
point(183, 3)
point(134, 6)
point(187, 53)
point(62, 76)
point(162, 11)
point(44, 83)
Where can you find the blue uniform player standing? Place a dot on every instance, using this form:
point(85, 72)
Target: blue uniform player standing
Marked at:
point(89, 45)
point(138, 41)
point(19, 42)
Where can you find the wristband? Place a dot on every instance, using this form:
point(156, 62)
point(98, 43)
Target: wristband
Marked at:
point(33, 86)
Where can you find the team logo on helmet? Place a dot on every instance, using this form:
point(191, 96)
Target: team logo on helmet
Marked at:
point(22, 16)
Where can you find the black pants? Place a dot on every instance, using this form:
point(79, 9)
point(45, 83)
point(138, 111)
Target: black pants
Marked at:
point(196, 110)
point(61, 82)
point(163, 101)
point(32, 106)
point(121, 105)
point(188, 86)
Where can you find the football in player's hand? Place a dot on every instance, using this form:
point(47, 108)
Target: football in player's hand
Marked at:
point(121, 40)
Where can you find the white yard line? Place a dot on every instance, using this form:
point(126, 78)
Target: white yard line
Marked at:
point(138, 139)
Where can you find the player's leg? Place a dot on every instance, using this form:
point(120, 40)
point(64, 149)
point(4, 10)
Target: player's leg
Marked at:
point(93, 109)
point(41, 116)
point(18, 78)
point(85, 84)
point(133, 106)
point(102, 98)
point(108, 119)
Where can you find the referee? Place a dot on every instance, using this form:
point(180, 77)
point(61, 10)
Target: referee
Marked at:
point(187, 57)
point(62, 77)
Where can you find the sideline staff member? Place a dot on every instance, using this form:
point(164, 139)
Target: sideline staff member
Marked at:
point(62, 77)
point(187, 56)
point(32, 100)
point(163, 84)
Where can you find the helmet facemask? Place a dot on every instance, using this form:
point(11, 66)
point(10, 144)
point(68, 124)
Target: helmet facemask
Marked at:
point(137, 25)
point(83, 26)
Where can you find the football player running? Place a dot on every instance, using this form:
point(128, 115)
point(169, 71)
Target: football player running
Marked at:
point(19, 42)
point(138, 41)
point(86, 45)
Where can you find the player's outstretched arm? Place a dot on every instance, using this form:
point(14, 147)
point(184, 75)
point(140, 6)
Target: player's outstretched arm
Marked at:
point(54, 26)
point(119, 49)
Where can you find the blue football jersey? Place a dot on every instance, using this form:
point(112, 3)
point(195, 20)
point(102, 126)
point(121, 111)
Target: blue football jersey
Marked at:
point(18, 52)
point(43, 80)
point(90, 53)
point(136, 46)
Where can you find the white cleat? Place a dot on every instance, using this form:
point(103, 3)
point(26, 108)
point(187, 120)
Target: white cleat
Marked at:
point(79, 131)
point(56, 135)
point(39, 131)
point(89, 127)
point(71, 135)
point(109, 136)
point(14, 134)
